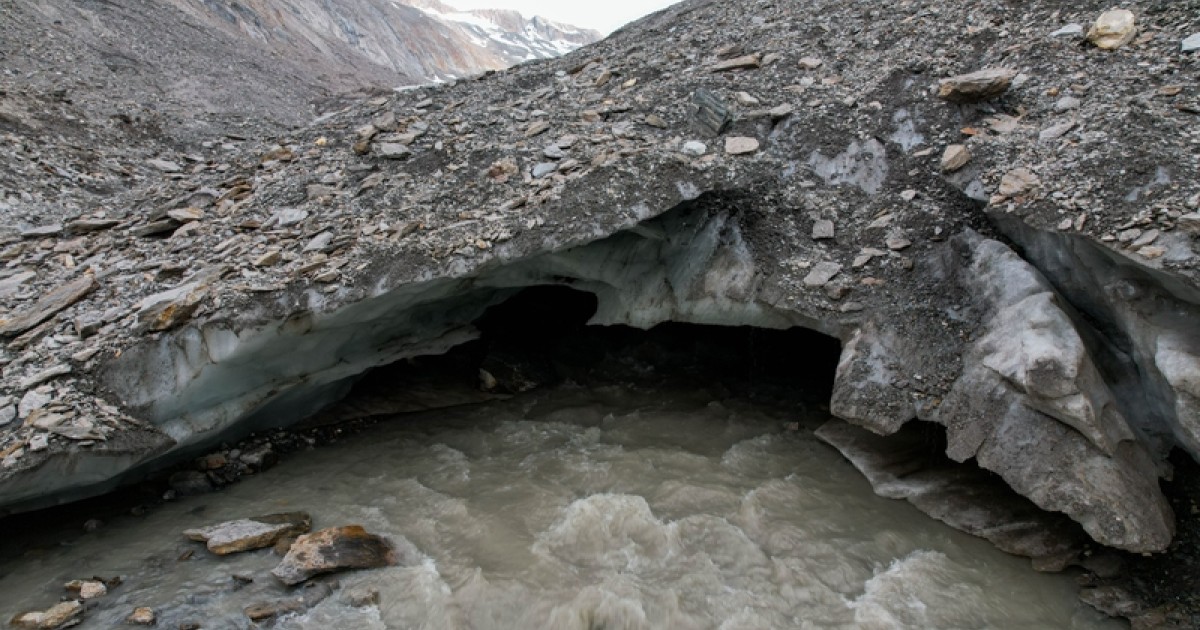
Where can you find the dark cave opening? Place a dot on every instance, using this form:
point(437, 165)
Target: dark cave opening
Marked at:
point(540, 337)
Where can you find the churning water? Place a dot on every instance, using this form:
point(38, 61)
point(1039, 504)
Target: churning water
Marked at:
point(611, 507)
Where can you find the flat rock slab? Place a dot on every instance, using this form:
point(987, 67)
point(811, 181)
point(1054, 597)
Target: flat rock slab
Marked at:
point(48, 306)
point(251, 533)
point(976, 86)
point(334, 549)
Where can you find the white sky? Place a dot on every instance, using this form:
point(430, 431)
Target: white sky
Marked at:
point(602, 15)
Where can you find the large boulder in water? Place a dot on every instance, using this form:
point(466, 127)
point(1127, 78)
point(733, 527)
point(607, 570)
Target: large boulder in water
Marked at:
point(334, 549)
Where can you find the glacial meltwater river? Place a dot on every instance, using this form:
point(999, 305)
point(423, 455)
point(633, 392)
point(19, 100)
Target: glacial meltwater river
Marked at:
point(611, 507)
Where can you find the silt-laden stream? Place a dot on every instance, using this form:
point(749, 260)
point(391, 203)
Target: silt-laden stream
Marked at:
point(610, 507)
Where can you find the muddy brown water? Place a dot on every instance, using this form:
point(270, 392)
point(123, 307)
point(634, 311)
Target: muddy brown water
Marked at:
point(610, 507)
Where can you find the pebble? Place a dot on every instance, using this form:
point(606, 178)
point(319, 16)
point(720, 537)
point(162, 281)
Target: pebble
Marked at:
point(543, 169)
point(897, 243)
point(1191, 43)
point(694, 148)
point(142, 617)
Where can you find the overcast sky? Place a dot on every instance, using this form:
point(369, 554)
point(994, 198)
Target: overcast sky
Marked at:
point(602, 15)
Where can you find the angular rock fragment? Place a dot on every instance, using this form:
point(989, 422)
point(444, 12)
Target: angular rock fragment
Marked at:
point(1113, 29)
point(739, 145)
point(1018, 181)
point(334, 549)
point(84, 226)
point(955, 157)
point(393, 150)
point(256, 532)
point(823, 229)
point(166, 310)
point(821, 274)
point(709, 112)
point(49, 306)
point(745, 62)
point(976, 86)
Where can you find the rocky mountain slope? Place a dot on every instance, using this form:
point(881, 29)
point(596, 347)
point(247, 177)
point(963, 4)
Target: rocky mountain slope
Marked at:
point(1015, 261)
point(91, 90)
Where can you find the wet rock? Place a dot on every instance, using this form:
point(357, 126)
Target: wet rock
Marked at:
point(266, 610)
point(256, 532)
point(955, 157)
point(189, 482)
point(312, 594)
point(48, 306)
point(977, 86)
point(362, 596)
point(334, 549)
point(87, 589)
point(57, 616)
point(740, 145)
point(1113, 29)
point(1111, 600)
point(142, 617)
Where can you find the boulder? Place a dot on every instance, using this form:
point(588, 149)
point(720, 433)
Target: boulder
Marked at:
point(334, 549)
